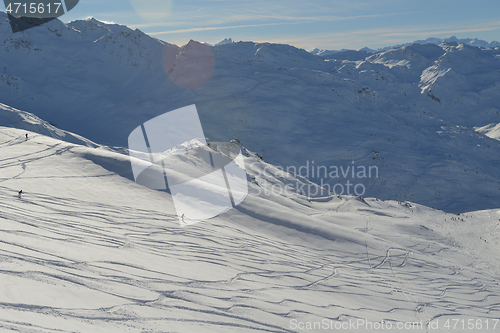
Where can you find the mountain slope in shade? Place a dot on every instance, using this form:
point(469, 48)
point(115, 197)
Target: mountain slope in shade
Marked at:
point(409, 111)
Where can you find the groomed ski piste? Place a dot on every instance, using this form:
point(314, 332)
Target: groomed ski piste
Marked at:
point(86, 249)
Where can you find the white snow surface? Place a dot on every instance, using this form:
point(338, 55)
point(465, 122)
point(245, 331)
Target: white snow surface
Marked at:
point(491, 130)
point(85, 249)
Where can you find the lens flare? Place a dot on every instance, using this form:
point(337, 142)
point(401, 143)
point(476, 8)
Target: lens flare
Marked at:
point(189, 66)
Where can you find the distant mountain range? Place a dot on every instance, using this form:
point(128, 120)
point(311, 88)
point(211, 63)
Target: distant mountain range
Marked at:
point(431, 40)
point(411, 111)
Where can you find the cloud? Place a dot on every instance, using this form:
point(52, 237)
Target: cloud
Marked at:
point(213, 28)
point(287, 20)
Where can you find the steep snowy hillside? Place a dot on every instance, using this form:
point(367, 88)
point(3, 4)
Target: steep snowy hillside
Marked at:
point(410, 112)
point(85, 249)
point(14, 118)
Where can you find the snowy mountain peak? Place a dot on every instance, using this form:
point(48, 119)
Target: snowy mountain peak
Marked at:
point(367, 49)
point(224, 41)
point(467, 41)
point(94, 29)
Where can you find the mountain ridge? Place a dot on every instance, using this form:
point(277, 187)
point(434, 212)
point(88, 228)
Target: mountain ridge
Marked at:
point(411, 111)
point(431, 40)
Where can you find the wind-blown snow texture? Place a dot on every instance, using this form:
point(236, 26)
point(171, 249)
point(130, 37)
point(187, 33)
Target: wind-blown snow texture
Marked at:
point(417, 105)
point(85, 249)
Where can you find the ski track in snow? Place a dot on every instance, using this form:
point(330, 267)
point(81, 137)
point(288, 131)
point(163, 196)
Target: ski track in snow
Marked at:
point(73, 262)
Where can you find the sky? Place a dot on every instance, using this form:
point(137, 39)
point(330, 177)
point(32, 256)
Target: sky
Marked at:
point(332, 25)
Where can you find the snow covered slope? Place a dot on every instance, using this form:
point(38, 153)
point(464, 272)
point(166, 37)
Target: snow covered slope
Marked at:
point(85, 249)
point(10, 117)
point(409, 111)
point(491, 130)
